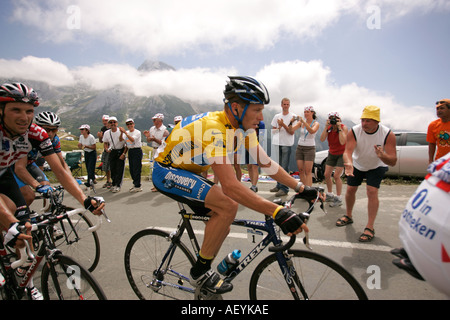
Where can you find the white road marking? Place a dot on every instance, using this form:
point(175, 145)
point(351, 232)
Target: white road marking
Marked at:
point(313, 242)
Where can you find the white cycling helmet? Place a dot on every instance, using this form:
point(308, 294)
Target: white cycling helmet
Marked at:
point(424, 226)
point(47, 118)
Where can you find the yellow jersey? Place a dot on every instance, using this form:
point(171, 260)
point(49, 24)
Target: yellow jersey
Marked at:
point(197, 139)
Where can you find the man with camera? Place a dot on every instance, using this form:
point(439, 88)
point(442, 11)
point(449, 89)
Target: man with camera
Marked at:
point(336, 134)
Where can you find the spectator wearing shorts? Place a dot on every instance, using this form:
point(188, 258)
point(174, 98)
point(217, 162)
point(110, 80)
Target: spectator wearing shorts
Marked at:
point(306, 148)
point(336, 134)
point(369, 150)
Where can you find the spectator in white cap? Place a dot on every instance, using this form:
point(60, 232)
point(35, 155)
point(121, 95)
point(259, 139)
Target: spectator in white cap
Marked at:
point(115, 143)
point(157, 133)
point(105, 155)
point(175, 122)
point(87, 143)
point(134, 144)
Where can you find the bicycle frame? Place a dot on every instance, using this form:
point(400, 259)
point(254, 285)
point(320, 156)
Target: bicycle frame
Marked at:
point(264, 226)
point(46, 251)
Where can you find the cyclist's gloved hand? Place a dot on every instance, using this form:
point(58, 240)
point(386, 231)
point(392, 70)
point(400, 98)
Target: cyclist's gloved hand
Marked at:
point(88, 203)
point(288, 220)
point(44, 189)
point(309, 193)
point(13, 233)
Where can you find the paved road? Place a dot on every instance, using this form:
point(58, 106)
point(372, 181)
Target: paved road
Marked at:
point(132, 212)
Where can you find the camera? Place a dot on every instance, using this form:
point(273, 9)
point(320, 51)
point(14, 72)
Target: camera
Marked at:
point(333, 120)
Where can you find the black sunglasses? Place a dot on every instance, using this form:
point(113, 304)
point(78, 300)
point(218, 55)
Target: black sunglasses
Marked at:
point(442, 102)
point(51, 130)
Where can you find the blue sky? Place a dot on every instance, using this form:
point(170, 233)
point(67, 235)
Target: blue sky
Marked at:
point(318, 52)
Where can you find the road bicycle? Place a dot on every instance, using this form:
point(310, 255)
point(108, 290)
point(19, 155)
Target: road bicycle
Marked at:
point(76, 236)
point(158, 263)
point(62, 277)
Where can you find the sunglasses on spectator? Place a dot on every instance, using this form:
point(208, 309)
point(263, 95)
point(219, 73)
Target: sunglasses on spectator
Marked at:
point(112, 121)
point(442, 102)
point(129, 123)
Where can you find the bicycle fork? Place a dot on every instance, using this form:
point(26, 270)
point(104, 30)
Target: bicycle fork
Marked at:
point(291, 276)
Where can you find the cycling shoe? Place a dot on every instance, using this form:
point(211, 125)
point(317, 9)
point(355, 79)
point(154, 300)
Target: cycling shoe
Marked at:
point(399, 252)
point(405, 264)
point(211, 282)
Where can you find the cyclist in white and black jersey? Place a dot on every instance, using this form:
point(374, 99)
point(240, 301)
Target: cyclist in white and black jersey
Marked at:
point(18, 135)
point(46, 143)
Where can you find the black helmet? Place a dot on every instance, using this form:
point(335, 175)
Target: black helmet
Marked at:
point(248, 89)
point(47, 118)
point(18, 92)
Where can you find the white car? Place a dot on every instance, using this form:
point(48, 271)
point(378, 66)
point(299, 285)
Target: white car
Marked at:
point(412, 156)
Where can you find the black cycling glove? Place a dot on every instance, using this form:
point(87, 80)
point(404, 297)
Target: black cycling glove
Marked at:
point(309, 194)
point(88, 205)
point(288, 220)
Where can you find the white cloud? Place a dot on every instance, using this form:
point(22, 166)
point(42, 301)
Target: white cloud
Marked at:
point(310, 83)
point(40, 69)
point(173, 26)
point(200, 84)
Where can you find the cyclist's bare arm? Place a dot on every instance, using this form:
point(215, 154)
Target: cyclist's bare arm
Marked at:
point(274, 170)
point(63, 163)
point(68, 181)
point(20, 169)
point(234, 189)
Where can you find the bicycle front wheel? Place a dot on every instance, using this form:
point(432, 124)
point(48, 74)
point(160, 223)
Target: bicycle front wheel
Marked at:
point(75, 240)
point(158, 268)
point(65, 279)
point(313, 275)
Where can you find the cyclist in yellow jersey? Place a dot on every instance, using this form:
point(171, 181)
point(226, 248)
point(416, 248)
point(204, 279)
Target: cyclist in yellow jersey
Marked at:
point(209, 140)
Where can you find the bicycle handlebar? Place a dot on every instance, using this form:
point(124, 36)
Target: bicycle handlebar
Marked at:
point(26, 252)
point(305, 216)
point(284, 247)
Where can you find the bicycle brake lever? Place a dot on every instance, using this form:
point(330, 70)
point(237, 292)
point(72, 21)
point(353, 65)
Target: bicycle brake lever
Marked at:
point(106, 217)
point(306, 241)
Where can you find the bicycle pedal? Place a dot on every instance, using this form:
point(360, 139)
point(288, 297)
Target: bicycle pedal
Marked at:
point(203, 294)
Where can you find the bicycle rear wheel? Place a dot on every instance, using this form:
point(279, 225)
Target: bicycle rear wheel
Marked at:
point(77, 241)
point(154, 271)
point(320, 277)
point(66, 279)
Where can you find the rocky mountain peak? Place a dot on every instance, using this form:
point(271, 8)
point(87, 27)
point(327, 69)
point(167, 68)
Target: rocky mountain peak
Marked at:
point(151, 65)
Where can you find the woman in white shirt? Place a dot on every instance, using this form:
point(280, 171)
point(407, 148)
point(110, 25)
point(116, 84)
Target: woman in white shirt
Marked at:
point(306, 149)
point(87, 143)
